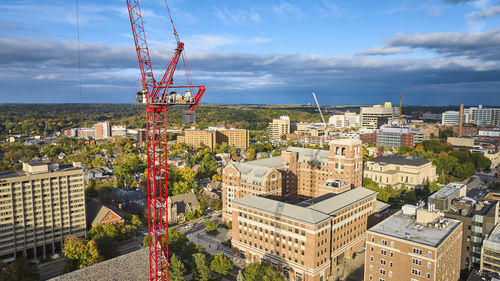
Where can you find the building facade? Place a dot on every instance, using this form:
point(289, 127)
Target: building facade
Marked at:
point(278, 128)
point(305, 241)
point(346, 120)
point(389, 136)
point(297, 172)
point(490, 253)
point(197, 138)
point(483, 116)
point(102, 130)
point(40, 206)
point(396, 170)
point(414, 244)
point(372, 118)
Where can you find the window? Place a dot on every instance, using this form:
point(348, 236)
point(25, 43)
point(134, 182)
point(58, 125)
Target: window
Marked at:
point(384, 242)
point(383, 252)
point(416, 261)
point(382, 271)
point(370, 277)
point(371, 258)
point(429, 264)
point(383, 262)
point(392, 254)
point(419, 251)
point(416, 272)
point(428, 276)
point(390, 273)
point(371, 267)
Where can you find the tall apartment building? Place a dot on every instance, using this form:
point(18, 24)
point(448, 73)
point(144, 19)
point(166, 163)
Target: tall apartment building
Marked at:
point(86, 133)
point(452, 118)
point(397, 170)
point(414, 244)
point(305, 241)
point(39, 207)
point(118, 131)
point(196, 138)
point(102, 130)
point(375, 116)
point(279, 127)
point(479, 217)
point(396, 136)
point(297, 172)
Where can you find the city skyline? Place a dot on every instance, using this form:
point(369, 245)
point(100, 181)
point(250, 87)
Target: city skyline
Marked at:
point(440, 52)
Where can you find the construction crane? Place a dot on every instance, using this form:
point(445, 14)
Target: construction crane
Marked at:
point(322, 118)
point(158, 98)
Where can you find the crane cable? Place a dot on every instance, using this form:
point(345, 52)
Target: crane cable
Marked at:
point(79, 59)
point(184, 59)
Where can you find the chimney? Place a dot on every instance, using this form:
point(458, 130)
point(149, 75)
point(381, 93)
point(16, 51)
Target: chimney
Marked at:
point(461, 120)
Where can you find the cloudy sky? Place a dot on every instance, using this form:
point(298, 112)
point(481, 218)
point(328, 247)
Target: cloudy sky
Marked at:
point(437, 52)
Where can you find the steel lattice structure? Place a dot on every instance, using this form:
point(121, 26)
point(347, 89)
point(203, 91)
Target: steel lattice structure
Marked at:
point(158, 99)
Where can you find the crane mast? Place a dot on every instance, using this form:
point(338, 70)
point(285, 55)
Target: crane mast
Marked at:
point(158, 99)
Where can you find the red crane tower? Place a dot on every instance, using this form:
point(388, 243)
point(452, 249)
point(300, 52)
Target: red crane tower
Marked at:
point(158, 97)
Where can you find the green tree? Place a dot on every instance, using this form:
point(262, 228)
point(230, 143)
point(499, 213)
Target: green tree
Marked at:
point(262, 272)
point(210, 227)
point(442, 178)
point(125, 169)
point(201, 272)
point(18, 270)
point(250, 153)
point(221, 264)
point(107, 247)
point(80, 254)
point(177, 270)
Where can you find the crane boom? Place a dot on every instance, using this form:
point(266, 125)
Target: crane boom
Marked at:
point(319, 109)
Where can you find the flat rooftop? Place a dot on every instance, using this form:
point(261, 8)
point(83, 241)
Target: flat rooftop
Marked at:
point(313, 211)
point(22, 173)
point(400, 160)
point(493, 241)
point(405, 227)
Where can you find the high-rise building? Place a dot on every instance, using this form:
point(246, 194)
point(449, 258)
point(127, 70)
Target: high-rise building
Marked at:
point(483, 116)
point(102, 130)
point(305, 241)
point(211, 137)
point(414, 244)
point(396, 136)
point(478, 217)
point(298, 171)
point(346, 120)
point(374, 117)
point(40, 206)
point(278, 128)
point(86, 133)
point(396, 170)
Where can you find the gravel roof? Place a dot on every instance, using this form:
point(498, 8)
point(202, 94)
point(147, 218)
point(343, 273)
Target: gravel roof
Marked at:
point(132, 266)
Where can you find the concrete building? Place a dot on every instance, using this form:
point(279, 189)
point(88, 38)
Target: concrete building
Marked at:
point(305, 241)
point(372, 118)
point(395, 136)
point(40, 206)
point(452, 118)
point(396, 170)
point(138, 135)
point(479, 217)
point(279, 127)
point(102, 130)
point(86, 133)
point(346, 120)
point(297, 172)
point(211, 137)
point(490, 253)
point(483, 116)
point(414, 244)
point(118, 131)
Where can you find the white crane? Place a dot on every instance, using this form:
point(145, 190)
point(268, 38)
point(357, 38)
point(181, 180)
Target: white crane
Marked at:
point(322, 118)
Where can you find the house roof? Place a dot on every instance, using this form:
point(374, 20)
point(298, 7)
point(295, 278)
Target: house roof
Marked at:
point(183, 200)
point(400, 160)
point(96, 211)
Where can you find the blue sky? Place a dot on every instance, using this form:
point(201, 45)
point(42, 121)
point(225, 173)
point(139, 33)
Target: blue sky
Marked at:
point(437, 52)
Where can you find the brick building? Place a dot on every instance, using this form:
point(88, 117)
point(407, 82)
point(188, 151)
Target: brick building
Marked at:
point(211, 137)
point(297, 172)
point(304, 241)
point(414, 244)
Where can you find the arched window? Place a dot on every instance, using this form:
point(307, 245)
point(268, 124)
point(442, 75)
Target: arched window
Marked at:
point(343, 151)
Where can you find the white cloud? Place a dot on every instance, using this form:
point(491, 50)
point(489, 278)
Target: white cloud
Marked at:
point(385, 50)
